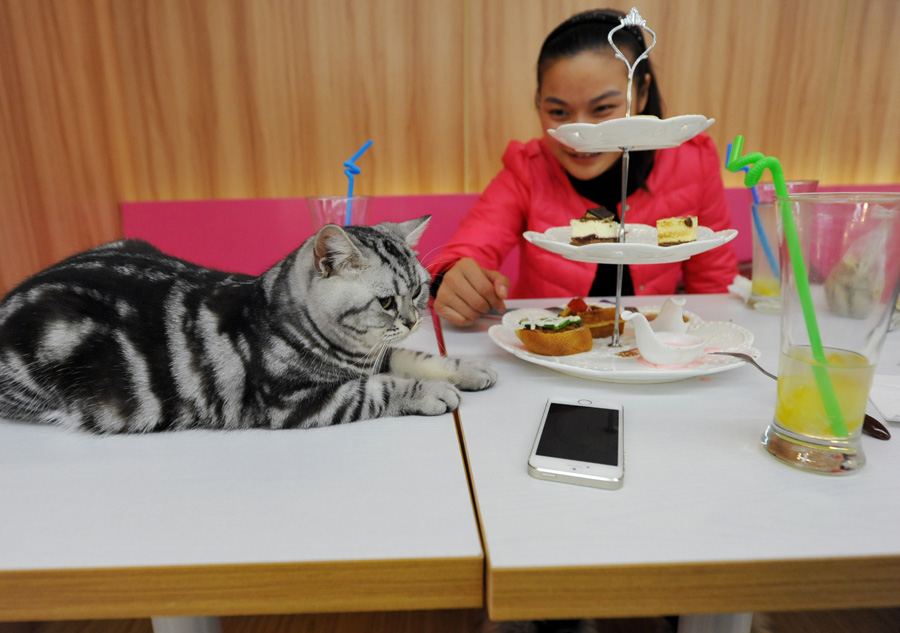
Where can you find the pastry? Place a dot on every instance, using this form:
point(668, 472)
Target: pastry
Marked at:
point(555, 336)
point(599, 318)
point(595, 226)
point(680, 230)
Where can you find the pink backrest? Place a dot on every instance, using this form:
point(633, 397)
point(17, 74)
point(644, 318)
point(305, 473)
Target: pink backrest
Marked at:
point(739, 204)
point(244, 236)
point(249, 236)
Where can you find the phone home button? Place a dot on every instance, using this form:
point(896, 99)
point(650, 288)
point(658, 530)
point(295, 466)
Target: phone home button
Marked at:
point(585, 401)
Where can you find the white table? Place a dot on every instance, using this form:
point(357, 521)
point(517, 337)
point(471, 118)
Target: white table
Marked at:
point(371, 516)
point(706, 521)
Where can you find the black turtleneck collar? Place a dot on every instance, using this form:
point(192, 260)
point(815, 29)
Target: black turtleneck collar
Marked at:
point(605, 190)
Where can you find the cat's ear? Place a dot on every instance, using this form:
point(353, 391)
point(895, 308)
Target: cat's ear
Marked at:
point(334, 253)
point(412, 230)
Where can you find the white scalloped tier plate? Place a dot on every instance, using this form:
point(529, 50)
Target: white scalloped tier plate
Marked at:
point(640, 246)
point(602, 363)
point(635, 132)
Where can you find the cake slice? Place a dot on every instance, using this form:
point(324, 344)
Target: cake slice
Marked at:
point(595, 226)
point(680, 230)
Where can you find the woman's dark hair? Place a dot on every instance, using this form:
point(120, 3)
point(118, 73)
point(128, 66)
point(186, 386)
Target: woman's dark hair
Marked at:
point(589, 31)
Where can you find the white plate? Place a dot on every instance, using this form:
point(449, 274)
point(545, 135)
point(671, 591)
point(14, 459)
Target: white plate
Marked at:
point(511, 319)
point(602, 362)
point(640, 246)
point(636, 133)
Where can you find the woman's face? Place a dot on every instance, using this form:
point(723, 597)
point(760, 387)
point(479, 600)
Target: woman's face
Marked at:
point(587, 88)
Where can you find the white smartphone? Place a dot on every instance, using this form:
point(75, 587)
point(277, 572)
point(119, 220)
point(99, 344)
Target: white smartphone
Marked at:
point(580, 442)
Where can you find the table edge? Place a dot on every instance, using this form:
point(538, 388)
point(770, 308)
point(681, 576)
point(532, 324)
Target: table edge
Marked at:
point(705, 587)
point(242, 589)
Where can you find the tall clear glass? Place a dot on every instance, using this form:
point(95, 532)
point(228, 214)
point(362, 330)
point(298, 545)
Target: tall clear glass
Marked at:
point(765, 292)
point(333, 210)
point(832, 333)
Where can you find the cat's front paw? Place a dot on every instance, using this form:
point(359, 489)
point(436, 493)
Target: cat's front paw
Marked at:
point(436, 397)
point(474, 375)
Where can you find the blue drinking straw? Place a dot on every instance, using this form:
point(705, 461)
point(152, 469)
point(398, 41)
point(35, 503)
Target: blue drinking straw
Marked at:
point(773, 263)
point(351, 170)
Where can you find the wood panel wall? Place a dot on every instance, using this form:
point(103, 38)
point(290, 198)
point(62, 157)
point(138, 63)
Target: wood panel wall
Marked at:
point(104, 101)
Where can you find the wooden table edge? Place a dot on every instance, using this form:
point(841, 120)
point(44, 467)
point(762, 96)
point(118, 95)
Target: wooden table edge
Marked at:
point(242, 589)
point(711, 587)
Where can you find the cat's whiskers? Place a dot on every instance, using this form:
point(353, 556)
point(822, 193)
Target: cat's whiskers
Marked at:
point(423, 257)
point(385, 347)
point(432, 265)
point(371, 361)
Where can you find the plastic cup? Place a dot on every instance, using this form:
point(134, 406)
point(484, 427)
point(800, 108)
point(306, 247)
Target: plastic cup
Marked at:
point(765, 291)
point(847, 242)
point(333, 210)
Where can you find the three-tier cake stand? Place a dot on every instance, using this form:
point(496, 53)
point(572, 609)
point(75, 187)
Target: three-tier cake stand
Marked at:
point(637, 244)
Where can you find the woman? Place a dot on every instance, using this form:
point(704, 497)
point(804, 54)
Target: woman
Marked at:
point(545, 184)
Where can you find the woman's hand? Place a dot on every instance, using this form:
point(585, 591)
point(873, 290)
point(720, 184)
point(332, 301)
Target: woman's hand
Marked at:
point(468, 291)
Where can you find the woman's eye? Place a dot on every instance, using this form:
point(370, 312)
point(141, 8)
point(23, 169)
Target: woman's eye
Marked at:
point(386, 302)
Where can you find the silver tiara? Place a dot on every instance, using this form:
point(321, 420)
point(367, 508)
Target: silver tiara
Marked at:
point(632, 19)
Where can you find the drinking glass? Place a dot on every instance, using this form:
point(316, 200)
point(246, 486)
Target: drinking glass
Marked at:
point(765, 292)
point(832, 334)
point(333, 210)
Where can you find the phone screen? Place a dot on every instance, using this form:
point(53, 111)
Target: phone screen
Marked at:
point(586, 434)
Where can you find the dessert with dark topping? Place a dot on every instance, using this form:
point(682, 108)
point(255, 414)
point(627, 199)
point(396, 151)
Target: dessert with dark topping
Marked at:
point(595, 226)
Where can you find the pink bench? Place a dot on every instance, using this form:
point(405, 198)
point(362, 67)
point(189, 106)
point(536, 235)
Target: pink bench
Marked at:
point(250, 235)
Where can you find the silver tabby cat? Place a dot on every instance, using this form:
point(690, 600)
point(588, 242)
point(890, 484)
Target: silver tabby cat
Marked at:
point(125, 339)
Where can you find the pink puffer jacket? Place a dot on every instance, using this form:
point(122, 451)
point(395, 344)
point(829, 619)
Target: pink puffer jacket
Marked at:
point(533, 193)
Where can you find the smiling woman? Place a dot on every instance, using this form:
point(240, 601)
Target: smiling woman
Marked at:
point(545, 183)
point(590, 87)
point(568, 96)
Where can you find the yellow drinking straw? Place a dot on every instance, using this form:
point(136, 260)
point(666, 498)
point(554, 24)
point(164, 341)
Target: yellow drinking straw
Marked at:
point(758, 164)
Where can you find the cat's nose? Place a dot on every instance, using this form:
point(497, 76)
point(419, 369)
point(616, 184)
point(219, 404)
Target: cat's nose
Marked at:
point(409, 315)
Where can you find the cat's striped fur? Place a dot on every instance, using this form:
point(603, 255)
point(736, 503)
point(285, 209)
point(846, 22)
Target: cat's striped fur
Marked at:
point(125, 339)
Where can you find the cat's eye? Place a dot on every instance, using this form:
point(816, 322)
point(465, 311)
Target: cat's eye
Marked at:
point(386, 302)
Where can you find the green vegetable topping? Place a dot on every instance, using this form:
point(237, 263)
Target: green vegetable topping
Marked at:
point(550, 324)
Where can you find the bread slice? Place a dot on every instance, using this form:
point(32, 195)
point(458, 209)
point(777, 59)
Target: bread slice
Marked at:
point(557, 343)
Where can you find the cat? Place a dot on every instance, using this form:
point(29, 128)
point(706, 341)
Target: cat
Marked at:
point(123, 338)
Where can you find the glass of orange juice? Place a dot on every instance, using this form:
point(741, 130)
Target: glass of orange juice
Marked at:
point(847, 243)
point(765, 291)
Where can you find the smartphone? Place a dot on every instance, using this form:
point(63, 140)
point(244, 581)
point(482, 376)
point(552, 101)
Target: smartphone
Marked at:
point(580, 442)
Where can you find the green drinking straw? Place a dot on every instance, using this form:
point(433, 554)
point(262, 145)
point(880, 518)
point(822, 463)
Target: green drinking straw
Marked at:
point(758, 164)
